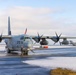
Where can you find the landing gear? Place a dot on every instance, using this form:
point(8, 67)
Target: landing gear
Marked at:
point(24, 52)
point(8, 51)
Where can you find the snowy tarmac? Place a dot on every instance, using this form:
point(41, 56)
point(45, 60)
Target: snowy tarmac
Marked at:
point(38, 63)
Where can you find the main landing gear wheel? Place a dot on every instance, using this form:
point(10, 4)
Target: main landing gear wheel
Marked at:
point(24, 52)
point(8, 51)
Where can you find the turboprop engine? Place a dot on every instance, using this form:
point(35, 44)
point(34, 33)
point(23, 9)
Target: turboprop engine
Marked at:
point(56, 38)
point(41, 40)
point(65, 42)
point(0, 37)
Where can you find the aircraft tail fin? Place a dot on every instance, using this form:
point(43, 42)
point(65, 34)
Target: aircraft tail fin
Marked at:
point(25, 31)
point(9, 29)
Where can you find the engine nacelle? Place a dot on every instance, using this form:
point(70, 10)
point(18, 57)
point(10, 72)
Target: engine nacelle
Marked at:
point(37, 40)
point(0, 39)
point(55, 39)
point(65, 41)
point(44, 42)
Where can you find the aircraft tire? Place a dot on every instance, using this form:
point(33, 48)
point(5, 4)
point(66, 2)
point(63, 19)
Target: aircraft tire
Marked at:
point(8, 51)
point(26, 52)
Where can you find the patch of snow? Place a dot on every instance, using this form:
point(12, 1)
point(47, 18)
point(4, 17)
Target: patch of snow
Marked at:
point(54, 62)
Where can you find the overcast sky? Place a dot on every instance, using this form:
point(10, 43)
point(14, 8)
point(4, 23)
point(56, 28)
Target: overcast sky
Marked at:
point(43, 16)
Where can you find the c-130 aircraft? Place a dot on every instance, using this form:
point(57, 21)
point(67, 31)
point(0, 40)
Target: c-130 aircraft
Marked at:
point(24, 42)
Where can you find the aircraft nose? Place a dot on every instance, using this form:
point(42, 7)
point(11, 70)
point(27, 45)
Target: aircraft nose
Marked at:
point(29, 45)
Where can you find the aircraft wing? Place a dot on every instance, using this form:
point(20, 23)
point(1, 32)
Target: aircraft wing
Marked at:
point(6, 37)
point(67, 37)
point(50, 37)
point(53, 38)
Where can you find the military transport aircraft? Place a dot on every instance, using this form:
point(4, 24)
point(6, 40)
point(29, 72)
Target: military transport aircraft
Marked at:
point(24, 42)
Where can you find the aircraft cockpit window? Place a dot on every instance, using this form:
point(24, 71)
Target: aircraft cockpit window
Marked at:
point(22, 38)
point(26, 38)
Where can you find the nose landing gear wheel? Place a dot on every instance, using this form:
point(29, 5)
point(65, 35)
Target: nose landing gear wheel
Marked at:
point(8, 51)
point(24, 52)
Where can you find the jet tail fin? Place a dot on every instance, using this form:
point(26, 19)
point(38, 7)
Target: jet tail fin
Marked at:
point(9, 29)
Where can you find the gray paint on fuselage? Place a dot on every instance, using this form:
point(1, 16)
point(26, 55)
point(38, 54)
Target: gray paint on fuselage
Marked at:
point(16, 42)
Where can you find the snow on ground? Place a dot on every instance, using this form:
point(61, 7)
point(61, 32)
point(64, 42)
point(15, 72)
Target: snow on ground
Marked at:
point(54, 62)
point(68, 50)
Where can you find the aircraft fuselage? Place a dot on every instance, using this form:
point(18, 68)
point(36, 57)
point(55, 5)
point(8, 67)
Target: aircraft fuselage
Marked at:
point(18, 42)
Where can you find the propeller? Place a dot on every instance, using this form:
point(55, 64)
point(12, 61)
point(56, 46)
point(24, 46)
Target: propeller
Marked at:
point(39, 37)
point(1, 37)
point(57, 38)
point(32, 51)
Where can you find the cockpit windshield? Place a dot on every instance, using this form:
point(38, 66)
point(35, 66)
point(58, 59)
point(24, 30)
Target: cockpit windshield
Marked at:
point(27, 37)
point(24, 38)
